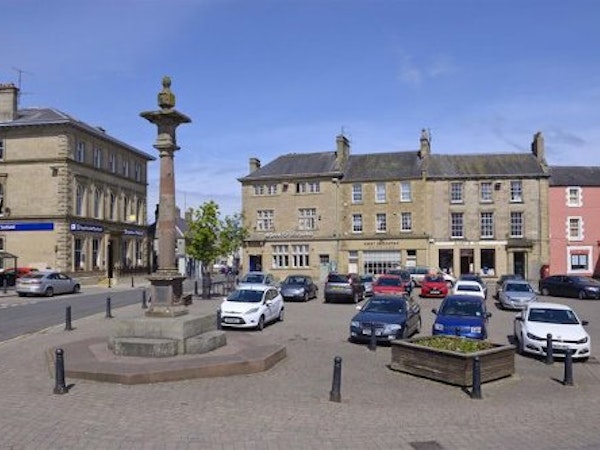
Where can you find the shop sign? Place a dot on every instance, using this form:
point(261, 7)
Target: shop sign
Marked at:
point(288, 234)
point(39, 226)
point(133, 232)
point(87, 228)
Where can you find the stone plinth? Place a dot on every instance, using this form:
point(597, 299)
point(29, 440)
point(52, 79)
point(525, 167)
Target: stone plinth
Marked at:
point(166, 294)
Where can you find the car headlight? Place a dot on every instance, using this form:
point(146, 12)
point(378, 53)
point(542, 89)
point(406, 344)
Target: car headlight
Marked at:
point(355, 324)
point(592, 288)
point(475, 329)
point(438, 327)
point(392, 328)
point(252, 311)
point(582, 341)
point(534, 337)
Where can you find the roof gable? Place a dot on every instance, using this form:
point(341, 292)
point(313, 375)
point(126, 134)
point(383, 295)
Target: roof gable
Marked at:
point(297, 165)
point(492, 165)
point(574, 176)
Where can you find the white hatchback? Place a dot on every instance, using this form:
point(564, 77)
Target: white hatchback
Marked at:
point(466, 287)
point(252, 306)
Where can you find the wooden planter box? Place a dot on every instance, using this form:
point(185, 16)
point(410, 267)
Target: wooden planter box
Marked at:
point(451, 367)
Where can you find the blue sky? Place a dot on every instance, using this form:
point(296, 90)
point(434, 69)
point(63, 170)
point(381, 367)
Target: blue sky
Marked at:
point(262, 78)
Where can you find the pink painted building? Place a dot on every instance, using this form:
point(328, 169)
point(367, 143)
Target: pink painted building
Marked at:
point(574, 208)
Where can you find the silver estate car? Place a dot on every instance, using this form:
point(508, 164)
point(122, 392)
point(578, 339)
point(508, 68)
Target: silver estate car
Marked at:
point(516, 294)
point(46, 283)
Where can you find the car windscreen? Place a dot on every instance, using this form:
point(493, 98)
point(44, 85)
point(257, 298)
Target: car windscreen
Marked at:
point(245, 295)
point(518, 287)
point(295, 280)
point(389, 282)
point(548, 315)
point(456, 307)
point(366, 279)
point(385, 305)
point(586, 280)
point(337, 278)
point(468, 287)
point(434, 279)
point(32, 275)
point(252, 279)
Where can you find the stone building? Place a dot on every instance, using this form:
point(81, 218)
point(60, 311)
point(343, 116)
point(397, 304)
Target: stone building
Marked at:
point(367, 213)
point(71, 196)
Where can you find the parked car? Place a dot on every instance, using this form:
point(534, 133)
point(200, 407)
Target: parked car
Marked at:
point(389, 284)
point(367, 280)
point(390, 316)
point(252, 306)
point(298, 287)
point(537, 320)
point(343, 287)
point(256, 277)
point(516, 294)
point(11, 275)
point(46, 283)
point(503, 279)
point(406, 278)
point(434, 286)
point(474, 277)
point(462, 315)
point(466, 287)
point(570, 286)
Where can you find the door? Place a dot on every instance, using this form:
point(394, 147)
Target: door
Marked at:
point(466, 260)
point(519, 263)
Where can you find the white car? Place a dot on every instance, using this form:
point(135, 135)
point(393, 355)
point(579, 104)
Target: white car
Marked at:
point(464, 287)
point(252, 306)
point(537, 320)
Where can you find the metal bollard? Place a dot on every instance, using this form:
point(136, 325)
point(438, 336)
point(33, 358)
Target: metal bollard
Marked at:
point(373, 339)
point(335, 394)
point(109, 283)
point(568, 378)
point(108, 314)
point(476, 391)
point(219, 327)
point(132, 285)
point(68, 326)
point(5, 285)
point(144, 302)
point(59, 363)
point(196, 287)
point(549, 350)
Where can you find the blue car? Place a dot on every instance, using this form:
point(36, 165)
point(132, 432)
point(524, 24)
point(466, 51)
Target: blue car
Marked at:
point(461, 315)
point(389, 316)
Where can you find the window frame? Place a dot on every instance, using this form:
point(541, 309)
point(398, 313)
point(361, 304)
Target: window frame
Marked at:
point(486, 192)
point(515, 224)
point(576, 201)
point(406, 222)
point(571, 220)
point(516, 191)
point(457, 192)
point(486, 225)
point(357, 193)
point(380, 223)
point(307, 219)
point(380, 193)
point(357, 223)
point(455, 226)
point(405, 191)
point(265, 220)
point(80, 151)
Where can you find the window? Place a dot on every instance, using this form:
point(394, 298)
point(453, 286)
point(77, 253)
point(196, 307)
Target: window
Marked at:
point(264, 220)
point(112, 163)
point(138, 212)
point(265, 189)
point(300, 256)
point(357, 223)
point(380, 223)
point(405, 221)
point(80, 152)
point(138, 171)
point(574, 196)
point(516, 224)
point(125, 167)
point(97, 157)
point(485, 192)
point(112, 206)
point(456, 192)
point(271, 189)
point(138, 253)
point(357, 196)
point(280, 257)
point(579, 259)
point(259, 189)
point(1, 199)
point(516, 191)
point(488, 261)
point(78, 256)
point(380, 196)
point(308, 187)
point(456, 225)
point(1, 149)
point(487, 225)
point(574, 228)
point(405, 191)
point(79, 199)
point(1, 249)
point(307, 219)
point(96, 253)
point(97, 202)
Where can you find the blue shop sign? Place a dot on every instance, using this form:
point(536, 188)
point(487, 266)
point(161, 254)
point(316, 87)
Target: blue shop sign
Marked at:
point(27, 226)
point(133, 232)
point(87, 228)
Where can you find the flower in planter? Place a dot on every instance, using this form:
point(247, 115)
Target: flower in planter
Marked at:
point(454, 344)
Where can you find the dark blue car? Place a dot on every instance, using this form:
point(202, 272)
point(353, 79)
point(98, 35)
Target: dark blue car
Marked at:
point(389, 316)
point(461, 315)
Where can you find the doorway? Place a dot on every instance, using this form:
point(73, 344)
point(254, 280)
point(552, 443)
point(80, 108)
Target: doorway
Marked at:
point(519, 263)
point(466, 260)
point(255, 263)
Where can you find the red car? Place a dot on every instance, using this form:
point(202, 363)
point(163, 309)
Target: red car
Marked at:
point(388, 284)
point(434, 286)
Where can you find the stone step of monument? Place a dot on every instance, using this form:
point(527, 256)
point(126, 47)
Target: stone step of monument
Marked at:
point(205, 342)
point(144, 347)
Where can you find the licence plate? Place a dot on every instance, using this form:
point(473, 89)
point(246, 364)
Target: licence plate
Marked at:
point(367, 332)
point(435, 291)
point(232, 320)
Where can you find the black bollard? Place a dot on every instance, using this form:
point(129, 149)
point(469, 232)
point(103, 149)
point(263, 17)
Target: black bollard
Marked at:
point(144, 302)
point(108, 314)
point(335, 394)
point(5, 285)
point(568, 379)
point(219, 327)
point(196, 287)
point(132, 285)
point(549, 350)
point(373, 339)
point(476, 391)
point(68, 326)
point(109, 283)
point(60, 387)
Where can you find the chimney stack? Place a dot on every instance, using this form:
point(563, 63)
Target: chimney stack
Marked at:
point(537, 147)
point(425, 149)
point(9, 95)
point(342, 152)
point(254, 164)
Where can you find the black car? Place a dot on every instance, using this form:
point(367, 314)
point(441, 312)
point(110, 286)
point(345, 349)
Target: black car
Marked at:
point(570, 286)
point(343, 287)
point(389, 316)
point(298, 287)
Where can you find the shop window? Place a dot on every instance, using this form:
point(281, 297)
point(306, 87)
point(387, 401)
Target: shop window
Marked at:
point(281, 258)
point(488, 261)
point(300, 256)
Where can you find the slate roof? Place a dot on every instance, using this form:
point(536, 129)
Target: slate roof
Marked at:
point(480, 165)
point(297, 165)
point(51, 116)
point(383, 166)
point(574, 176)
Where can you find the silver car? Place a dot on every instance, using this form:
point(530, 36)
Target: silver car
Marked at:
point(46, 283)
point(516, 294)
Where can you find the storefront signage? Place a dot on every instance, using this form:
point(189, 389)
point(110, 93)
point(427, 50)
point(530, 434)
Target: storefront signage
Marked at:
point(133, 232)
point(288, 234)
point(88, 228)
point(382, 244)
point(39, 226)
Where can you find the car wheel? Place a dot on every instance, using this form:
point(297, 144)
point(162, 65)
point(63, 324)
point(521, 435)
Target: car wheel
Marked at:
point(581, 295)
point(305, 298)
point(261, 323)
point(21, 294)
point(545, 291)
point(76, 289)
point(281, 315)
point(355, 298)
point(520, 345)
point(49, 292)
